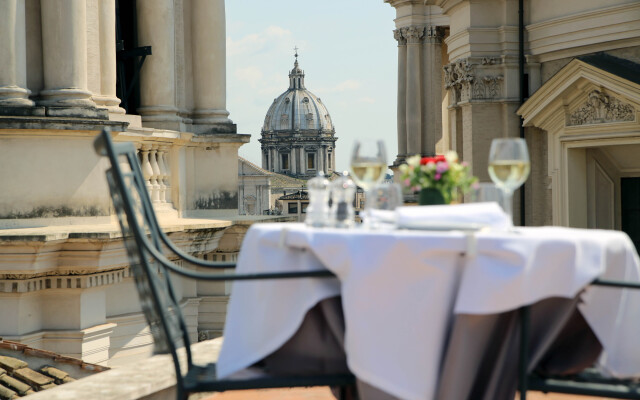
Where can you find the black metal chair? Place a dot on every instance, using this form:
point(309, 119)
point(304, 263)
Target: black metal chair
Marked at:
point(144, 241)
point(587, 383)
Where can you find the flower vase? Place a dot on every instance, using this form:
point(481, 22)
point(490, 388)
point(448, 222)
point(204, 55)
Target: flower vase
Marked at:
point(430, 197)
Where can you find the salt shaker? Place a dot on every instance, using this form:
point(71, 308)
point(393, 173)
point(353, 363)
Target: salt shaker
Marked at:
point(318, 209)
point(343, 191)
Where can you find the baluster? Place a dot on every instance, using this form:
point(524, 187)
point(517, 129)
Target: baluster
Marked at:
point(147, 170)
point(164, 153)
point(163, 174)
point(155, 178)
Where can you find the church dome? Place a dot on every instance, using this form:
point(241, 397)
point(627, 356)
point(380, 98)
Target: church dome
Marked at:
point(298, 138)
point(297, 109)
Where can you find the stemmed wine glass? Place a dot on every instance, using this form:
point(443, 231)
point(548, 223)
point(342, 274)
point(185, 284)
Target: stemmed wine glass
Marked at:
point(368, 166)
point(509, 167)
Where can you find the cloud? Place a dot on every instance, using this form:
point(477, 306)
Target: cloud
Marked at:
point(270, 38)
point(368, 100)
point(252, 75)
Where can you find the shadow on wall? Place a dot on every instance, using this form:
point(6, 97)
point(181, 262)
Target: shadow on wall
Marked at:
point(217, 201)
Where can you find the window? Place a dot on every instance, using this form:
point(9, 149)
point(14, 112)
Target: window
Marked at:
point(303, 206)
point(284, 158)
point(329, 156)
point(311, 160)
point(293, 208)
point(266, 161)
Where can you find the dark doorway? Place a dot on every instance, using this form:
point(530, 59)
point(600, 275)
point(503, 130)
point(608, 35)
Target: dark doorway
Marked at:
point(630, 208)
point(128, 85)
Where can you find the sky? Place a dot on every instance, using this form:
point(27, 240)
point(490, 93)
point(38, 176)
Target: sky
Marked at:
point(346, 49)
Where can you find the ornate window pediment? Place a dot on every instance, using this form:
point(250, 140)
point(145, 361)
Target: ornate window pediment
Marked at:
point(582, 94)
point(600, 108)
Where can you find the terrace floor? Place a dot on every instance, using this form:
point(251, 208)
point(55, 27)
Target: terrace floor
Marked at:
point(323, 393)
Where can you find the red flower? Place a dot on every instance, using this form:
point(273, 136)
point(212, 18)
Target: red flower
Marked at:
point(435, 160)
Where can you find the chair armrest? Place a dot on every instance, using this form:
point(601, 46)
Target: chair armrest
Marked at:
point(168, 264)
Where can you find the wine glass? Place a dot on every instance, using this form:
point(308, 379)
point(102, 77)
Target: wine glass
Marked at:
point(368, 167)
point(509, 167)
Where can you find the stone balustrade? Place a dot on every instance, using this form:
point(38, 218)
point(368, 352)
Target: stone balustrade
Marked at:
point(154, 162)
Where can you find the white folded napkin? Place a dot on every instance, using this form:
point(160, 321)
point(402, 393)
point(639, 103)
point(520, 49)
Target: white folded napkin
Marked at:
point(457, 216)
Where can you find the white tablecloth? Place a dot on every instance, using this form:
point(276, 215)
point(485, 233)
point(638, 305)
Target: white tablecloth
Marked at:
point(400, 288)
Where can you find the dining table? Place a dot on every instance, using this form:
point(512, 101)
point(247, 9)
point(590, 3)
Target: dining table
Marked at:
point(426, 306)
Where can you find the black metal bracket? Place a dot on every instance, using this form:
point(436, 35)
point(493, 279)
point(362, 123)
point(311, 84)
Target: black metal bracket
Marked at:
point(121, 56)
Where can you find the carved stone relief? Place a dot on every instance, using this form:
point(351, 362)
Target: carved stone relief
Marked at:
point(464, 84)
point(601, 108)
point(487, 87)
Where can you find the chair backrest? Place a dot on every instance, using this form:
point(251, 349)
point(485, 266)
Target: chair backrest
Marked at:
point(141, 234)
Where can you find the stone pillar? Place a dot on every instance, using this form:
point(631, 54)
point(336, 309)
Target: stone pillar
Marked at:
point(303, 158)
point(64, 48)
point(293, 160)
point(319, 160)
point(209, 63)
point(402, 95)
point(413, 34)
point(107, 22)
point(432, 90)
point(325, 159)
point(156, 28)
point(13, 48)
point(276, 160)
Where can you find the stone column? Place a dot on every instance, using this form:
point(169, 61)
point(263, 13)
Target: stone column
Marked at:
point(156, 28)
point(107, 22)
point(413, 34)
point(432, 90)
point(319, 160)
point(325, 159)
point(13, 48)
point(293, 159)
point(402, 95)
point(303, 157)
point(64, 48)
point(209, 62)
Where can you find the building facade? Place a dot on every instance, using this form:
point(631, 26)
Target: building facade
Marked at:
point(298, 136)
point(462, 82)
point(153, 72)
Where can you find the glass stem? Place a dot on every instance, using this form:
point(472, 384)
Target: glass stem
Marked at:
point(508, 203)
point(366, 221)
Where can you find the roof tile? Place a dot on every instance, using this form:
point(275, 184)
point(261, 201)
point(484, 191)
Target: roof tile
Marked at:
point(10, 364)
point(6, 393)
point(19, 387)
point(55, 373)
point(32, 377)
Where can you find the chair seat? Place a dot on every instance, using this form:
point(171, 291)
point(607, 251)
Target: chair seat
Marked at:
point(203, 378)
point(589, 382)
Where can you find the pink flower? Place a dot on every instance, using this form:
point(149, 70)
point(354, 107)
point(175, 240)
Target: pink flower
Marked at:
point(464, 164)
point(407, 182)
point(415, 189)
point(442, 167)
point(438, 176)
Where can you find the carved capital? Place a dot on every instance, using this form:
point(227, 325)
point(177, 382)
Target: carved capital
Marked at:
point(413, 34)
point(434, 34)
point(458, 78)
point(601, 108)
point(397, 35)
